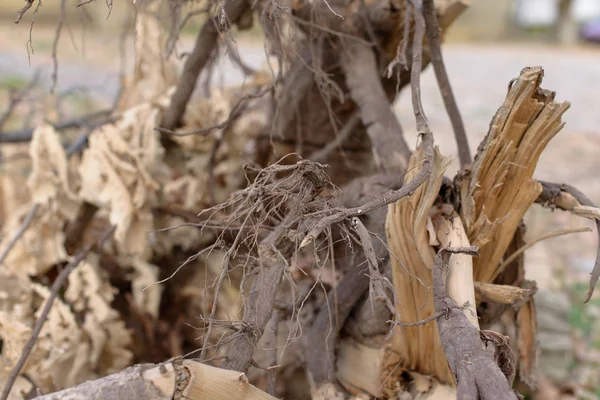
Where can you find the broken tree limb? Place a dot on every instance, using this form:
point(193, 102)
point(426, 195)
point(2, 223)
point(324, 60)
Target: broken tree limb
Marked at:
point(184, 379)
point(498, 189)
point(477, 374)
point(569, 198)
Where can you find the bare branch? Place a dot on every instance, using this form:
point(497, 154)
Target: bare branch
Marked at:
point(235, 113)
point(96, 118)
point(59, 26)
point(427, 143)
point(23, 10)
point(26, 222)
point(345, 132)
point(206, 42)
point(433, 37)
point(16, 97)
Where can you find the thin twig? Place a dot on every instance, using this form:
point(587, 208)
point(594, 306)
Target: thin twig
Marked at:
point(39, 323)
point(556, 233)
point(234, 55)
point(59, 26)
point(235, 113)
point(29, 44)
point(203, 49)
point(343, 135)
point(435, 49)
point(26, 222)
point(400, 58)
point(16, 97)
point(83, 3)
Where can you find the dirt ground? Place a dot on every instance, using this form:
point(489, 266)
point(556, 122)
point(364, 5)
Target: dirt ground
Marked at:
point(479, 74)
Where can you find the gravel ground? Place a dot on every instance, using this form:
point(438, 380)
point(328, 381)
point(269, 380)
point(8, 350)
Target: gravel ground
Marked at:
point(479, 76)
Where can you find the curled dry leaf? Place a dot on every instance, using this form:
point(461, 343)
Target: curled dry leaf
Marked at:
point(49, 178)
point(49, 184)
point(91, 295)
point(146, 293)
point(117, 173)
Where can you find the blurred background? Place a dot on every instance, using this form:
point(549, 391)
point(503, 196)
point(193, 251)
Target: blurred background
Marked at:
point(488, 46)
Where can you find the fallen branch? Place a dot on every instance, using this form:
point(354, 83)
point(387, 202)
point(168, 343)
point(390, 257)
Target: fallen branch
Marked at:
point(477, 374)
point(39, 323)
point(568, 198)
point(179, 379)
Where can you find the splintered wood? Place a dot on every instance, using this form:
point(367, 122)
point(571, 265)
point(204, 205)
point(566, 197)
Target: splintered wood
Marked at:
point(497, 191)
point(416, 348)
point(494, 193)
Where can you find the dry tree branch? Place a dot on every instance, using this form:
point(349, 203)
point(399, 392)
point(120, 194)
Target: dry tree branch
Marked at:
point(39, 323)
point(344, 133)
point(176, 31)
point(235, 113)
point(476, 372)
point(26, 222)
point(15, 98)
point(83, 3)
point(206, 43)
point(566, 197)
point(98, 117)
point(437, 60)
point(23, 10)
point(550, 235)
point(234, 55)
